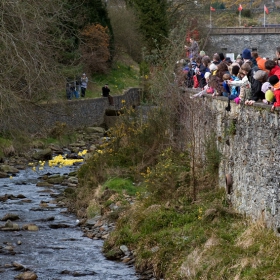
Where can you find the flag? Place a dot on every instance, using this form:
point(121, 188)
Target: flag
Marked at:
point(240, 8)
point(266, 9)
point(212, 9)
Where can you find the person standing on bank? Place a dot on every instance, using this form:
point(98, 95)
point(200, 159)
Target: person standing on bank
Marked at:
point(84, 82)
point(106, 93)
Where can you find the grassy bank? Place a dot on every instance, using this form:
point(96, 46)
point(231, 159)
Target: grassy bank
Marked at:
point(201, 240)
point(144, 183)
point(123, 74)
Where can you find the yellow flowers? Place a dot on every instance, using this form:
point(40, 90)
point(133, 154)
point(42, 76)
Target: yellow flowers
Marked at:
point(199, 213)
point(82, 153)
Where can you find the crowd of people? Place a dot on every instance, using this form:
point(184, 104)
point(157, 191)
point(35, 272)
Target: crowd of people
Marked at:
point(248, 79)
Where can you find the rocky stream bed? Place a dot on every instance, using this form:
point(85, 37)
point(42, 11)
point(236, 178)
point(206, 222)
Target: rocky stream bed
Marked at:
point(39, 238)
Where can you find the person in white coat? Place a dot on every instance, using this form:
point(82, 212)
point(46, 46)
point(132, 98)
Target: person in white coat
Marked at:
point(84, 82)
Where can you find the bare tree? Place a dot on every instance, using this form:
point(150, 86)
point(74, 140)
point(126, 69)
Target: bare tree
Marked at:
point(32, 39)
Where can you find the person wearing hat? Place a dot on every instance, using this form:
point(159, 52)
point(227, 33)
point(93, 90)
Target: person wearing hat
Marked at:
point(274, 81)
point(202, 53)
point(268, 91)
point(261, 76)
point(247, 57)
point(239, 60)
point(84, 82)
point(213, 68)
point(228, 61)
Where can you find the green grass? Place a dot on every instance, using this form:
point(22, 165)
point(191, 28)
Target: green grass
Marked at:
point(123, 74)
point(121, 185)
point(208, 238)
point(120, 77)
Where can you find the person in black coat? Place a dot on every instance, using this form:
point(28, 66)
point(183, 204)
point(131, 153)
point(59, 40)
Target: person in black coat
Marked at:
point(106, 93)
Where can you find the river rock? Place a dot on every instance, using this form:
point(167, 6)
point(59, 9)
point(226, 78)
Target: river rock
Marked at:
point(73, 173)
point(18, 266)
point(93, 221)
point(8, 169)
point(28, 275)
point(10, 226)
point(3, 174)
point(78, 144)
point(72, 180)
point(92, 148)
point(20, 167)
point(124, 249)
point(114, 254)
point(10, 216)
point(30, 227)
point(56, 148)
point(95, 129)
point(44, 184)
point(55, 180)
point(56, 226)
point(105, 236)
point(45, 154)
point(9, 248)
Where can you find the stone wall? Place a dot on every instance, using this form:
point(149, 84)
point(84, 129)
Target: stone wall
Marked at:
point(79, 113)
point(249, 140)
point(265, 44)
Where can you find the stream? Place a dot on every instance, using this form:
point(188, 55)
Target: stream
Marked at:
point(58, 249)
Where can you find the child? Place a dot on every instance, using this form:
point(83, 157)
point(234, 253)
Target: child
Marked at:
point(188, 76)
point(267, 89)
point(226, 89)
point(245, 87)
point(274, 81)
point(206, 89)
point(234, 92)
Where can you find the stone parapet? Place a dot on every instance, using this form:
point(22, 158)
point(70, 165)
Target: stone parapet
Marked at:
point(249, 139)
point(77, 113)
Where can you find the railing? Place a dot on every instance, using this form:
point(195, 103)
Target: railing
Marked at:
point(245, 30)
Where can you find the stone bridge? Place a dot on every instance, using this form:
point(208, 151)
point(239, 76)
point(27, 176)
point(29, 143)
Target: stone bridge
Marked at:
point(233, 40)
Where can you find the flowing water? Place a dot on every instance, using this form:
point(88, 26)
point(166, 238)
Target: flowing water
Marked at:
point(58, 250)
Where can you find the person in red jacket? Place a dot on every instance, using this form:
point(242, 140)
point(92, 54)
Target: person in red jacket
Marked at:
point(274, 81)
point(273, 68)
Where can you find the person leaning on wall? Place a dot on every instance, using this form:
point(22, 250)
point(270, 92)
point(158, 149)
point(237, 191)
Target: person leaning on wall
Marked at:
point(106, 93)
